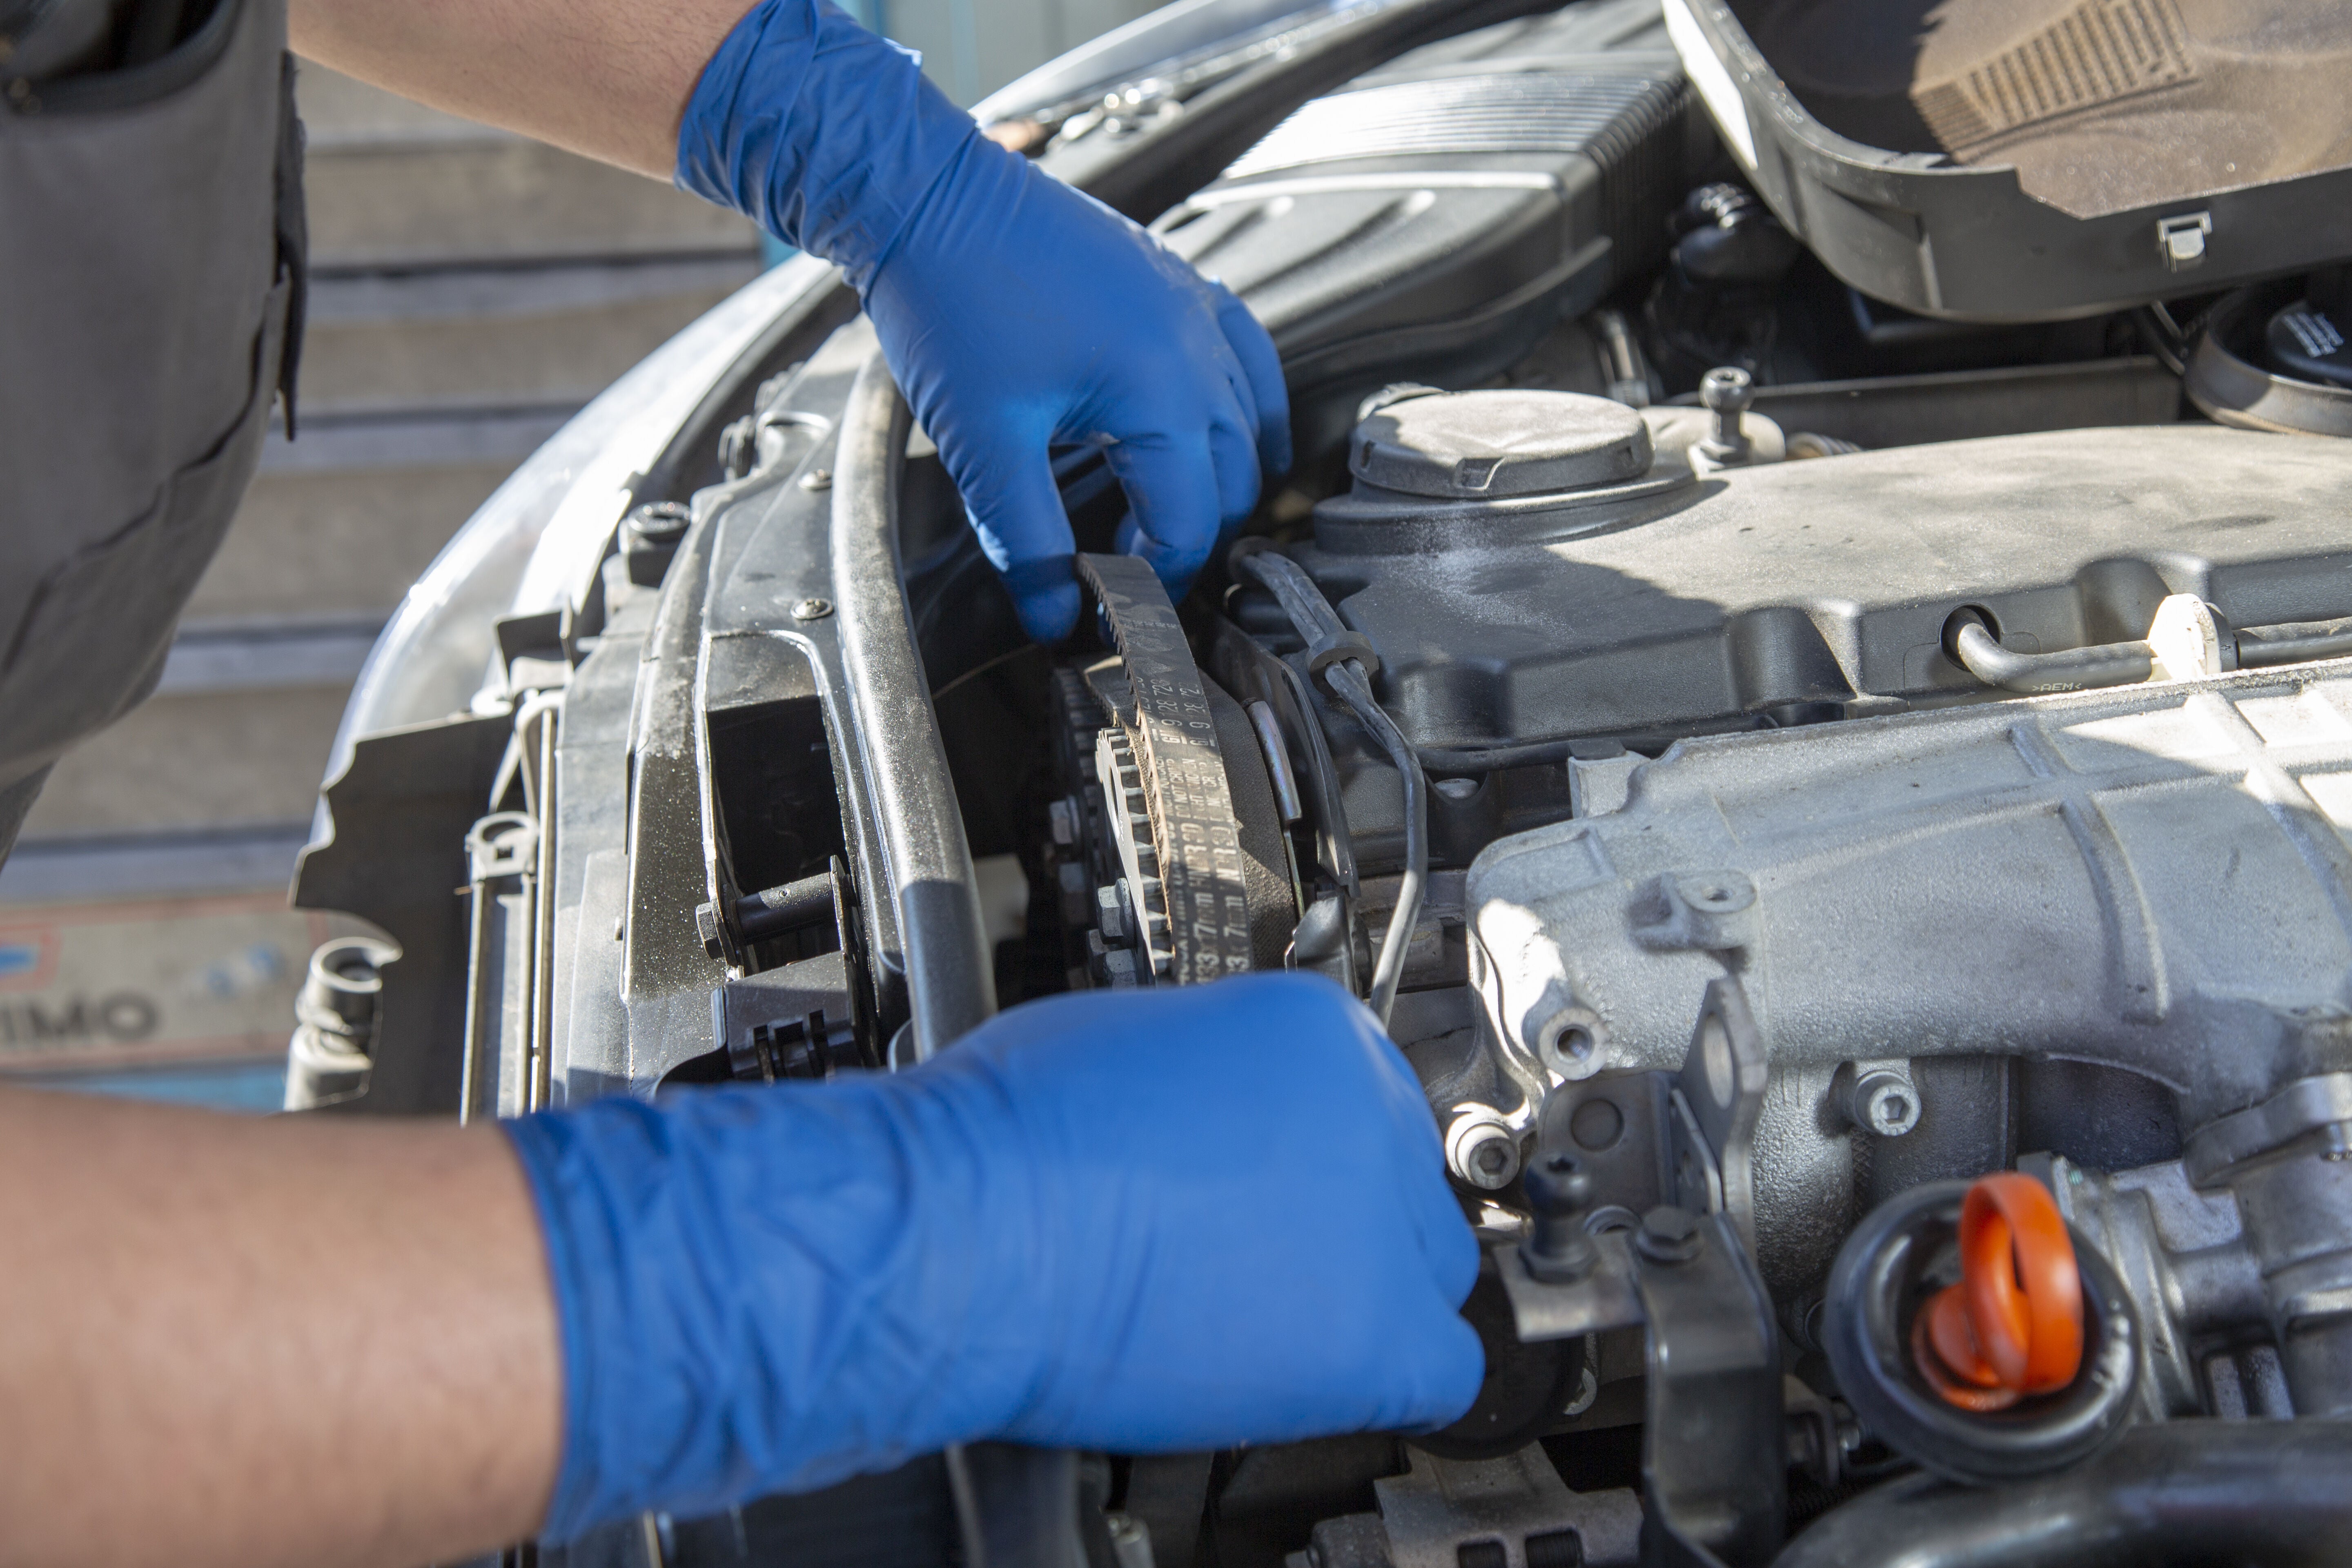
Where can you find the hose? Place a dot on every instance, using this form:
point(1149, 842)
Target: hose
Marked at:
point(2265, 1494)
point(2259, 647)
point(1312, 616)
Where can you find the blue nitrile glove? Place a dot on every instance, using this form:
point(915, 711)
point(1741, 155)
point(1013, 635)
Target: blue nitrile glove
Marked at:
point(1016, 313)
point(1165, 1221)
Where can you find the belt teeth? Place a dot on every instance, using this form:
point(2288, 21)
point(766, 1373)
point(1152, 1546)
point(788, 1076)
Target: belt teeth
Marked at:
point(1150, 898)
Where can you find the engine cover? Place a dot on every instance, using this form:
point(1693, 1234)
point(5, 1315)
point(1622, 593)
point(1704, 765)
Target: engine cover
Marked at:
point(1677, 602)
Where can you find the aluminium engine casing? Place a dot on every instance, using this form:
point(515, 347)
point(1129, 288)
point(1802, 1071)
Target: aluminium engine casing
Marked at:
point(2153, 879)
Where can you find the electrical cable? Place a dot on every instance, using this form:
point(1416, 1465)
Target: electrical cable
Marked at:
point(1315, 620)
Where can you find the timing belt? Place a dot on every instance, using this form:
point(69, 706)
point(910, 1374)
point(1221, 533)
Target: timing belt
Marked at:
point(1202, 873)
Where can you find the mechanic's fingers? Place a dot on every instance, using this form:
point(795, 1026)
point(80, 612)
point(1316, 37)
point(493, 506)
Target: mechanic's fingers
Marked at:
point(1235, 461)
point(1440, 1367)
point(1016, 509)
point(1448, 1246)
point(1263, 367)
point(1171, 486)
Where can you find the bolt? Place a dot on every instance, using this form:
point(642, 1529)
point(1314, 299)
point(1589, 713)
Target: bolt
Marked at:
point(1885, 1100)
point(658, 522)
point(811, 609)
point(817, 479)
point(1668, 1235)
point(706, 923)
point(1726, 392)
point(1556, 1250)
point(1482, 1150)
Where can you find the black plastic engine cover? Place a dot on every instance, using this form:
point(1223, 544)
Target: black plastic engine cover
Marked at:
point(1431, 219)
point(1684, 604)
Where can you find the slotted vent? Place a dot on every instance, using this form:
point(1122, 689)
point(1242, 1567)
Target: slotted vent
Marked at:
point(2100, 51)
point(1503, 112)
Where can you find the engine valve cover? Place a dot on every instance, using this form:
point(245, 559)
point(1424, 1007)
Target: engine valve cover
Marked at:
point(1677, 602)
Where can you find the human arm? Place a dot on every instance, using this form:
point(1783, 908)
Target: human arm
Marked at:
point(609, 79)
point(1180, 1219)
point(246, 1343)
point(1018, 315)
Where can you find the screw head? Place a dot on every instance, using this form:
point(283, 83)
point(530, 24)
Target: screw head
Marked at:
point(1727, 389)
point(658, 522)
point(1893, 1111)
point(811, 609)
point(1557, 1184)
point(1886, 1103)
point(1483, 1153)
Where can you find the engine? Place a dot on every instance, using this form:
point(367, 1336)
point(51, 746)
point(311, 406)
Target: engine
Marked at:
point(1740, 883)
point(1843, 805)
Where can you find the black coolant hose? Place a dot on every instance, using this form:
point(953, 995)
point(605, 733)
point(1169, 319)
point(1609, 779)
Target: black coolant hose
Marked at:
point(1312, 616)
point(2260, 647)
point(2254, 1494)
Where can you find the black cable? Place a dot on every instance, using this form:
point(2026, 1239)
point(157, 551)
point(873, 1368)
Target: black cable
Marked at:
point(1467, 763)
point(1312, 616)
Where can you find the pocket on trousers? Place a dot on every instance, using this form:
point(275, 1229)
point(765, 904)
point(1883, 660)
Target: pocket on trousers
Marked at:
point(93, 637)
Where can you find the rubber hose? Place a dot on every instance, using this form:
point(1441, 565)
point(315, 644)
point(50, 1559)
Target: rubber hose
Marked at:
point(2254, 1494)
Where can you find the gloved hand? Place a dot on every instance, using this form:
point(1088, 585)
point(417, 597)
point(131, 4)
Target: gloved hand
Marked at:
point(1016, 313)
point(1159, 1222)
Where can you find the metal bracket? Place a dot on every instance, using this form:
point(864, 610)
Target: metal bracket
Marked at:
point(793, 1022)
point(1715, 1450)
point(1607, 1298)
point(1714, 1447)
point(1717, 1100)
point(1512, 1513)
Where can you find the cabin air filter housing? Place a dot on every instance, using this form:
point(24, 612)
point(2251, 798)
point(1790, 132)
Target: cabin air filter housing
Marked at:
point(1430, 221)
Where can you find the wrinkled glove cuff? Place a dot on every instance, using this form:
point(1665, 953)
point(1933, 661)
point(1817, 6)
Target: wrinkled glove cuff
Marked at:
point(818, 131)
point(755, 1287)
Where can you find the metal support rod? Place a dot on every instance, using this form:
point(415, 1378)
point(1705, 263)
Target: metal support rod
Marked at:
point(2070, 669)
point(951, 984)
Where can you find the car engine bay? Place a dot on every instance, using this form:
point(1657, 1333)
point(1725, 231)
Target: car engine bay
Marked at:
point(1769, 757)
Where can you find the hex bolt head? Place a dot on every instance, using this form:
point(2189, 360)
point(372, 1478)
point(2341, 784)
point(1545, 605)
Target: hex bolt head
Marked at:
point(811, 609)
point(706, 926)
point(1668, 1235)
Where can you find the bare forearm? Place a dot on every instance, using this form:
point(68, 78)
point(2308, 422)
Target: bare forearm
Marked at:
point(606, 78)
point(248, 1344)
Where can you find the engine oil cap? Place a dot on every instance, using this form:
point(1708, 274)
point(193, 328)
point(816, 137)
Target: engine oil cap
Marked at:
point(1479, 446)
